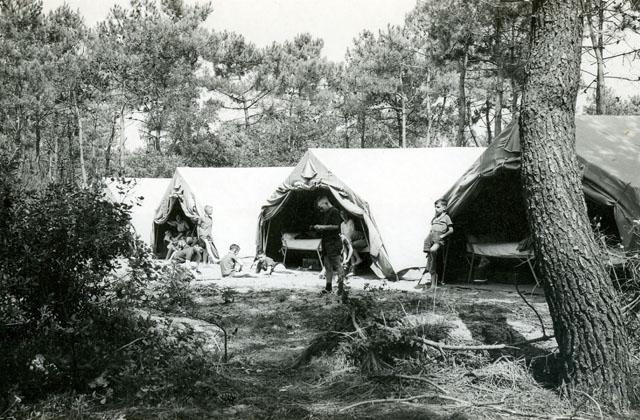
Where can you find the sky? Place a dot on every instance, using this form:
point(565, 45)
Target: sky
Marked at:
point(337, 22)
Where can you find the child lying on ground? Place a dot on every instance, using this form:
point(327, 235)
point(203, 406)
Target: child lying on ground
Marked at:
point(268, 265)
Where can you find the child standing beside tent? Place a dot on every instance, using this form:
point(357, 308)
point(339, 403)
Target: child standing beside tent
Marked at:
point(441, 227)
point(205, 235)
point(329, 229)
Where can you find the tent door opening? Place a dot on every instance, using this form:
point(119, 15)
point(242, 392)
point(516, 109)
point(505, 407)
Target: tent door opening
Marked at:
point(290, 239)
point(160, 243)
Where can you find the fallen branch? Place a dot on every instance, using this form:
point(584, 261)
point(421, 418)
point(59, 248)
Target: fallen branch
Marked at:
point(386, 400)
point(130, 344)
point(443, 346)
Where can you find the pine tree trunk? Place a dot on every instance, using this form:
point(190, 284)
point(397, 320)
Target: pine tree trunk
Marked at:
point(586, 314)
point(346, 131)
point(597, 44)
point(123, 139)
point(497, 128)
point(363, 129)
point(487, 117)
point(428, 103)
point(107, 152)
point(462, 99)
point(514, 97)
point(83, 169)
point(403, 123)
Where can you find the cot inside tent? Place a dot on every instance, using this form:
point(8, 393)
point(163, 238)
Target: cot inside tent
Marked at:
point(144, 195)
point(235, 194)
point(391, 191)
point(487, 200)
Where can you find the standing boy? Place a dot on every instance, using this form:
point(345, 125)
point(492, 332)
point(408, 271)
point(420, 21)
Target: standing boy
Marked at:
point(329, 229)
point(205, 227)
point(441, 227)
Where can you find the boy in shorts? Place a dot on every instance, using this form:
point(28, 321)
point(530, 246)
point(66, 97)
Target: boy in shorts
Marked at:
point(441, 228)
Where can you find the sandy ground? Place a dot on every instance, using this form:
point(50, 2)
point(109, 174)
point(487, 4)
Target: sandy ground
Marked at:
point(298, 279)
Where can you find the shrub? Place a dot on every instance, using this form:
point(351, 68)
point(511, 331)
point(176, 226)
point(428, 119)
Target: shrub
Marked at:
point(170, 291)
point(63, 313)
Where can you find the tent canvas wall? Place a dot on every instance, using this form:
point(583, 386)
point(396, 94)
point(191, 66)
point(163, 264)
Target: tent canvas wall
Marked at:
point(144, 195)
point(608, 148)
point(235, 194)
point(392, 190)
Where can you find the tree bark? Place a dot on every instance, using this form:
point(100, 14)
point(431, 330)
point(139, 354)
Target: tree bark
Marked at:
point(586, 315)
point(462, 98)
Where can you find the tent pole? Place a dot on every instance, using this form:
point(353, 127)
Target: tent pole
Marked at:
point(266, 238)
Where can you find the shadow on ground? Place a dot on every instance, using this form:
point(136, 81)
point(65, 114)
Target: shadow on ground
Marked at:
point(488, 324)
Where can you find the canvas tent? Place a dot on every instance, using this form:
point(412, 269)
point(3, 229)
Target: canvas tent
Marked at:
point(390, 191)
point(143, 194)
point(235, 194)
point(608, 148)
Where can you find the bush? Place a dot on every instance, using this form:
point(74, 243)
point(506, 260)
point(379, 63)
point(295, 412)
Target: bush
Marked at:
point(170, 291)
point(56, 247)
point(63, 312)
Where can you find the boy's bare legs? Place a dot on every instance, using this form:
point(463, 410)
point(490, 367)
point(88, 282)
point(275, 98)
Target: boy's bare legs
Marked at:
point(433, 253)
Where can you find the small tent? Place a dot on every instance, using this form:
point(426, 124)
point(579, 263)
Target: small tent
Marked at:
point(143, 194)
point(235, 194)
point(487, 200)
point(390, 191)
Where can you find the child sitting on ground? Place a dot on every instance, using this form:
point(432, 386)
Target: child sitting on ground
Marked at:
point(191, 251)
point(441, 227)
point(230, 265)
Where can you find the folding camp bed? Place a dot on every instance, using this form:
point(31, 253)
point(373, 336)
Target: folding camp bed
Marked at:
point(506, 250)
point(289, 242)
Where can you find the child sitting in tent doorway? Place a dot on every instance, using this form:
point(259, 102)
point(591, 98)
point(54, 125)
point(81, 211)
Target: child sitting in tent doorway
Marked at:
point(356, 240)
point(230, 265)
point(181, 226)
point(205, 234)
point(171, 242)
point(441, 227)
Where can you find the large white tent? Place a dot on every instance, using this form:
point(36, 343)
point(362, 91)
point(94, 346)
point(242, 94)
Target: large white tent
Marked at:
point(144, 195)
point(394, 190)
point(235, 194)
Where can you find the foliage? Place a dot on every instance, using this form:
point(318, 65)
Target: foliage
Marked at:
point(170, 291)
